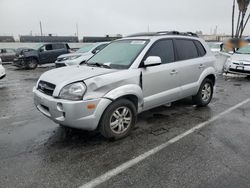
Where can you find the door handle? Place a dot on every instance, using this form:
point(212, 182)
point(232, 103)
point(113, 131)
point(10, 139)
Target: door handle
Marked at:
point(173, 72)
point(201, 66)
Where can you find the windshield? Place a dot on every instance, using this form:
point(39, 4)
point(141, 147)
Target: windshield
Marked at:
point(119, 54)
point(85, 48)
point(214, 45)
point(244, 50)
point(37, 46)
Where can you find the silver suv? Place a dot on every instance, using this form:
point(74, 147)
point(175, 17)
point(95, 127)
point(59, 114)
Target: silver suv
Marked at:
point(129, 76)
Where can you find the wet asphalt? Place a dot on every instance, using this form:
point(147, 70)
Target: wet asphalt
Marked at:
point(35, 152)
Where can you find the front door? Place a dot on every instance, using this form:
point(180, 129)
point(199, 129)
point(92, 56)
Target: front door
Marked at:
point(45, 54)
point(161, 83)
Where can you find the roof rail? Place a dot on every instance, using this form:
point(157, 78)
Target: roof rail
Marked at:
point(159, 33)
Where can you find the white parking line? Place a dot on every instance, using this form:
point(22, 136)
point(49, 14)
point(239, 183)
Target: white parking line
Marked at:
point(108, 175)
point(5, 117)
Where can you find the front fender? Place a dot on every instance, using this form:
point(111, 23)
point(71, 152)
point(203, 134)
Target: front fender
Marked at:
point(130, 89)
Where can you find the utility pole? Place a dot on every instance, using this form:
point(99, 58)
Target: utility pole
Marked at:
point(77, 30)
point(41, 29)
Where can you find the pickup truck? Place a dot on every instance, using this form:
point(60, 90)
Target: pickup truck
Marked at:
point(42, 54)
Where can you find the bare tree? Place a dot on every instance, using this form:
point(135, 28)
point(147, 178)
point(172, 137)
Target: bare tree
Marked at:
point(241, 22)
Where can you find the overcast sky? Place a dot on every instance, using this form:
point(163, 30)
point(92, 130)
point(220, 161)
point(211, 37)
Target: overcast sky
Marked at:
point(101, 17)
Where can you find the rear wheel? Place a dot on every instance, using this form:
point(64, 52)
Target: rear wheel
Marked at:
point(205, 93)
point(118, 119)
point(32, 63)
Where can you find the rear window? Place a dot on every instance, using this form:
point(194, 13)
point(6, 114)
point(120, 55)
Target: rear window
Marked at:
point(58, 46)
point(186, 49)
point(200, 48)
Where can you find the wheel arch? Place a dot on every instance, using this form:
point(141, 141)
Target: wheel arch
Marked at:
point(212, 78)
point(131, 92)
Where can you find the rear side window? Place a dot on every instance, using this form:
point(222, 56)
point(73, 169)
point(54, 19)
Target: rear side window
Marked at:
point(58, 46)
point(186, 49)
point(200, 48)
point(48, 47)
point(164, 49)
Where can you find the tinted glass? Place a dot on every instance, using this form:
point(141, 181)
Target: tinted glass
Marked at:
point(164, 49)
point(200, 48)
point(58, 46)
point(186, 49)
point(48, 47)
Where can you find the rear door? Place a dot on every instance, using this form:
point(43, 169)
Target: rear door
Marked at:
point(190, 64)
point(161, 83)
point(58, 49)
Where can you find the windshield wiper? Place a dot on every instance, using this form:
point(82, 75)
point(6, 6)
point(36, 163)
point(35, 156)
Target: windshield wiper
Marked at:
point(96, 64)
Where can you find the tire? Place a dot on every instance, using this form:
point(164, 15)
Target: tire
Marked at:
point(248, 77)
point(32, 64)
point(205, 93)
point(119, 112)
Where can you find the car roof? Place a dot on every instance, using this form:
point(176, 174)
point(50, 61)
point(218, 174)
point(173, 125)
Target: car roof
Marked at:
point(162, 34)
point(158, 37)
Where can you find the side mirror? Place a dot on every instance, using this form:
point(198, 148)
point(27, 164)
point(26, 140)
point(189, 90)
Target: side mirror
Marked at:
point(95, 51)
point(152, 61)
point(41, 50)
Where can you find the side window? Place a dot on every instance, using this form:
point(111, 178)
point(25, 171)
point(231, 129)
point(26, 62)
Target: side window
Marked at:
point(164, 49)
point(99, 48)
point(48, 47)
point(186, 49)
point(57, 46)
point(200, 48)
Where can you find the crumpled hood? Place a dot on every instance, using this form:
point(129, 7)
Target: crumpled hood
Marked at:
point(241, 57)
point(66, 75)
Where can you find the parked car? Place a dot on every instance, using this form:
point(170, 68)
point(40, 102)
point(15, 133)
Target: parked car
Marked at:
point(239, 62)
point(7, 54)
point(216, 46)
point(129, 76)
point(81, 55)
point(2, 70)
point(42, 54)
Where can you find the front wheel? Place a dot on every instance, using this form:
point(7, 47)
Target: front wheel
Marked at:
point(32, 63)
point(118, 119)
point(205, 93)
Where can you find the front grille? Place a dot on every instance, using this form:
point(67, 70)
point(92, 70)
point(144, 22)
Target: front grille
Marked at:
point(46, 87)
point(241, 64)
point(58, 65)
point(239, 71)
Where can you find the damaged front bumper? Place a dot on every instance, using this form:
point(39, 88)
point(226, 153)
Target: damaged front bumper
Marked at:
point(75, 114)
point(19, 62)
